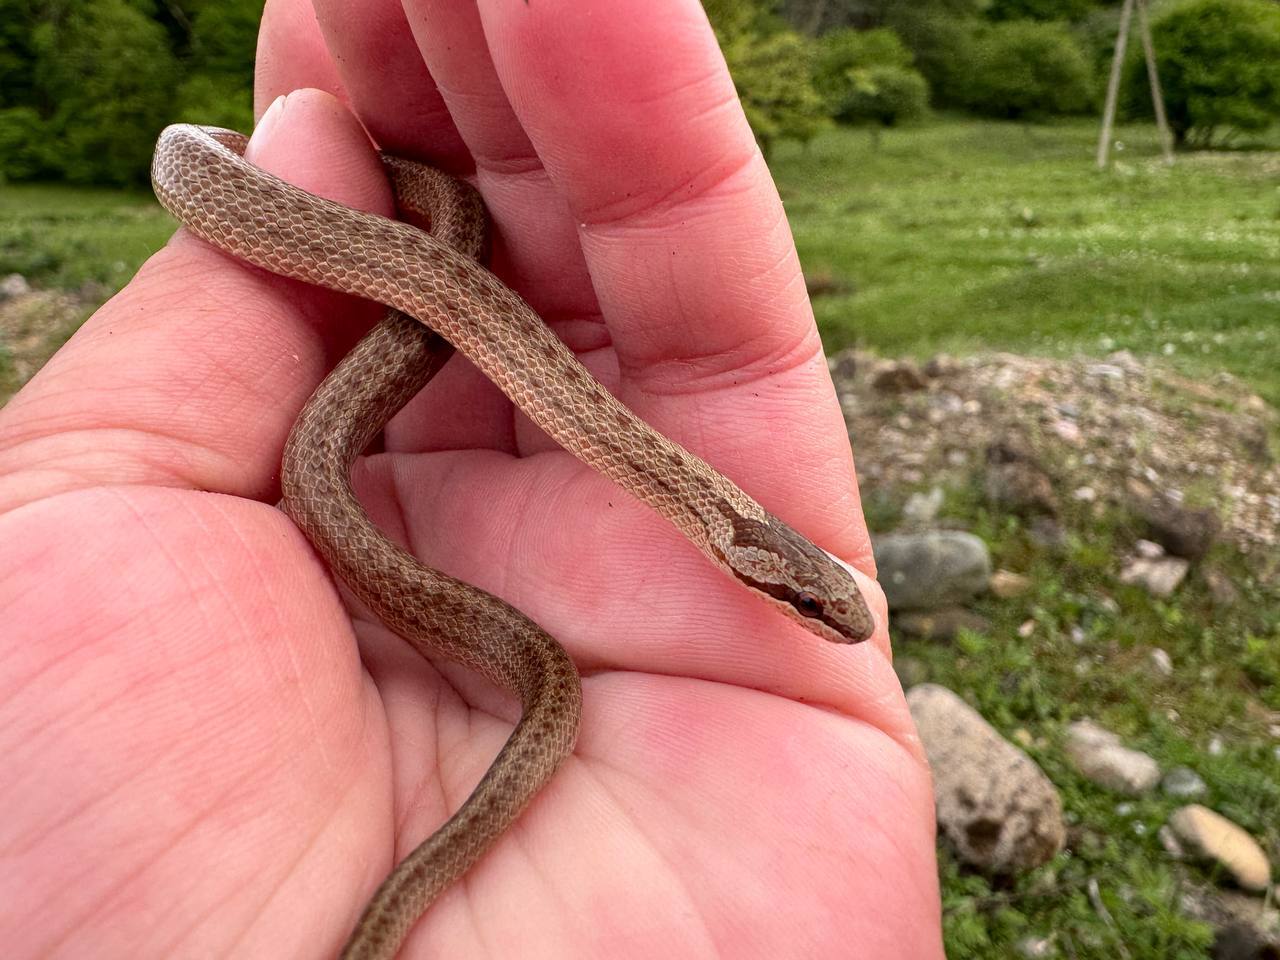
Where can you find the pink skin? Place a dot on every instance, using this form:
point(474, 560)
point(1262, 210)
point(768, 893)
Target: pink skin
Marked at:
point(208, 754)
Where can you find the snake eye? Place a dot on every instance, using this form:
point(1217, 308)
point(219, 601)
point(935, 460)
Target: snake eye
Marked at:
point(808, 604)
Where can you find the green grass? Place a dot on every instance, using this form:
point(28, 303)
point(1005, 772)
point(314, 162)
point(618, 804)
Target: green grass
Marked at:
point(59, 236)
point(970, 235)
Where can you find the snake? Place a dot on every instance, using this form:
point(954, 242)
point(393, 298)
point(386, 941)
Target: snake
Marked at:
point(440, 297)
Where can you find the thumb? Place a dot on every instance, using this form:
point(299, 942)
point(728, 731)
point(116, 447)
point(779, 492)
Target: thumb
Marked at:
point(195, 371)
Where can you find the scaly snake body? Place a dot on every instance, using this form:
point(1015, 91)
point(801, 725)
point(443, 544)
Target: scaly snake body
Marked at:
point(201, 177)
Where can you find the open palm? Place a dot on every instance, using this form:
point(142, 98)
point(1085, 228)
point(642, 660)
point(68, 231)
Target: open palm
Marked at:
point(211, 754)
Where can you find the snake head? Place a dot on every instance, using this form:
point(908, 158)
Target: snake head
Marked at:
point(803, 581)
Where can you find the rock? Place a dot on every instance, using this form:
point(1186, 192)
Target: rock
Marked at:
point(1104, 371)
point(995, 806)
point(1036, 948)
point(1215, 838)
point(1242, 941)
point(1048, 533)
point(900, 376)
point(930, 570)
point(1085, 494)
point(1183, 782)
point(941, 365)
point(844, 366)
point(1159, 576)
point(1006, 584)
point(921, 509)
point(14, 285)
point(1067, 430)
point(1245, 927)
point(1016, 482)
point(1182, 532)
point(1162, 662)
point(1100, 757)
point(1221, 588)
point(1148, 549)
point(910, 671)
point(942, 624)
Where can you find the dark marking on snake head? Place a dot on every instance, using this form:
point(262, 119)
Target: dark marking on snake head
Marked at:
point(771, 558)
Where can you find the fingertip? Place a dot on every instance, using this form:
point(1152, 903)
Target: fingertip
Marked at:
point(311, 139)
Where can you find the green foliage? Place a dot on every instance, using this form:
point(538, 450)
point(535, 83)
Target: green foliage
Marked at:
point(942, 47)
point(1071, 10)
point(772, 75)
point(217, 102)
point(85, 85)
point(1023, 68)
point(866, 77)
point(107, 70)
point(16, 53)
point(24, 151)
point(223, 39)
point(1219, 63)
point(771, 68)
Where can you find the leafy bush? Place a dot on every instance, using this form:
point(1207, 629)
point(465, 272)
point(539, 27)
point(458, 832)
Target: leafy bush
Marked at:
point(1219, 63)
point(866, 77)
point(1041, 9)
point(1025, 68)
point(943, 49)
point(216, 101)
point(23, 139)
point(107, 69)
point(772, 76)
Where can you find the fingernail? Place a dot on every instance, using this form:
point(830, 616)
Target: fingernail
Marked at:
point(262, 131)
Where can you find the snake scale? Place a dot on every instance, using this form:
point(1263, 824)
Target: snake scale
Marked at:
point(441, 297)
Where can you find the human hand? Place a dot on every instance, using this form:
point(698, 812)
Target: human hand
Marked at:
point(210, 754)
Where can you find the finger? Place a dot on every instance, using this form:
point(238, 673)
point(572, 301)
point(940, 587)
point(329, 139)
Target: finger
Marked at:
point(369, 56)
point(537, 250)
point(292, 55)
point(391, 90)
point(633, 113)
point(193, 374)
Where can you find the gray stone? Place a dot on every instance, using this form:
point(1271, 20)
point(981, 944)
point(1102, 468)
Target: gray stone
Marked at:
point(1159, 576)
point(910, 671)
point(898, 376)
point(1163, 663)
point(14, 285)
point(1183, 782)
point(1183, 532)
point(929, 570)
point(995, 806)
point(1100, 757)
point(921, 509)
point(943, 624)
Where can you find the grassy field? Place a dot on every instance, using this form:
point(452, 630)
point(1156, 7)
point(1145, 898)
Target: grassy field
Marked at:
point(58, 236)
point(964, 235)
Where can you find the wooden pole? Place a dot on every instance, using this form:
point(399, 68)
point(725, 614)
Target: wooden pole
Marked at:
point(1157, 97)
point(1113, 86)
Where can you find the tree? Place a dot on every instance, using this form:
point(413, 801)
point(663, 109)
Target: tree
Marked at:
point(772, 76)
point(1024, 68)
point(106, 70)
point(1219, 66)
point(771, 68)
point(866, 77)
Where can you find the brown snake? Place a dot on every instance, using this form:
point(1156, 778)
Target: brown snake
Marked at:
point(201, 177)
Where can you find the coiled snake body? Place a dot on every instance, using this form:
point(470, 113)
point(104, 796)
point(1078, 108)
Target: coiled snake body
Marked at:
point(201, 177)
